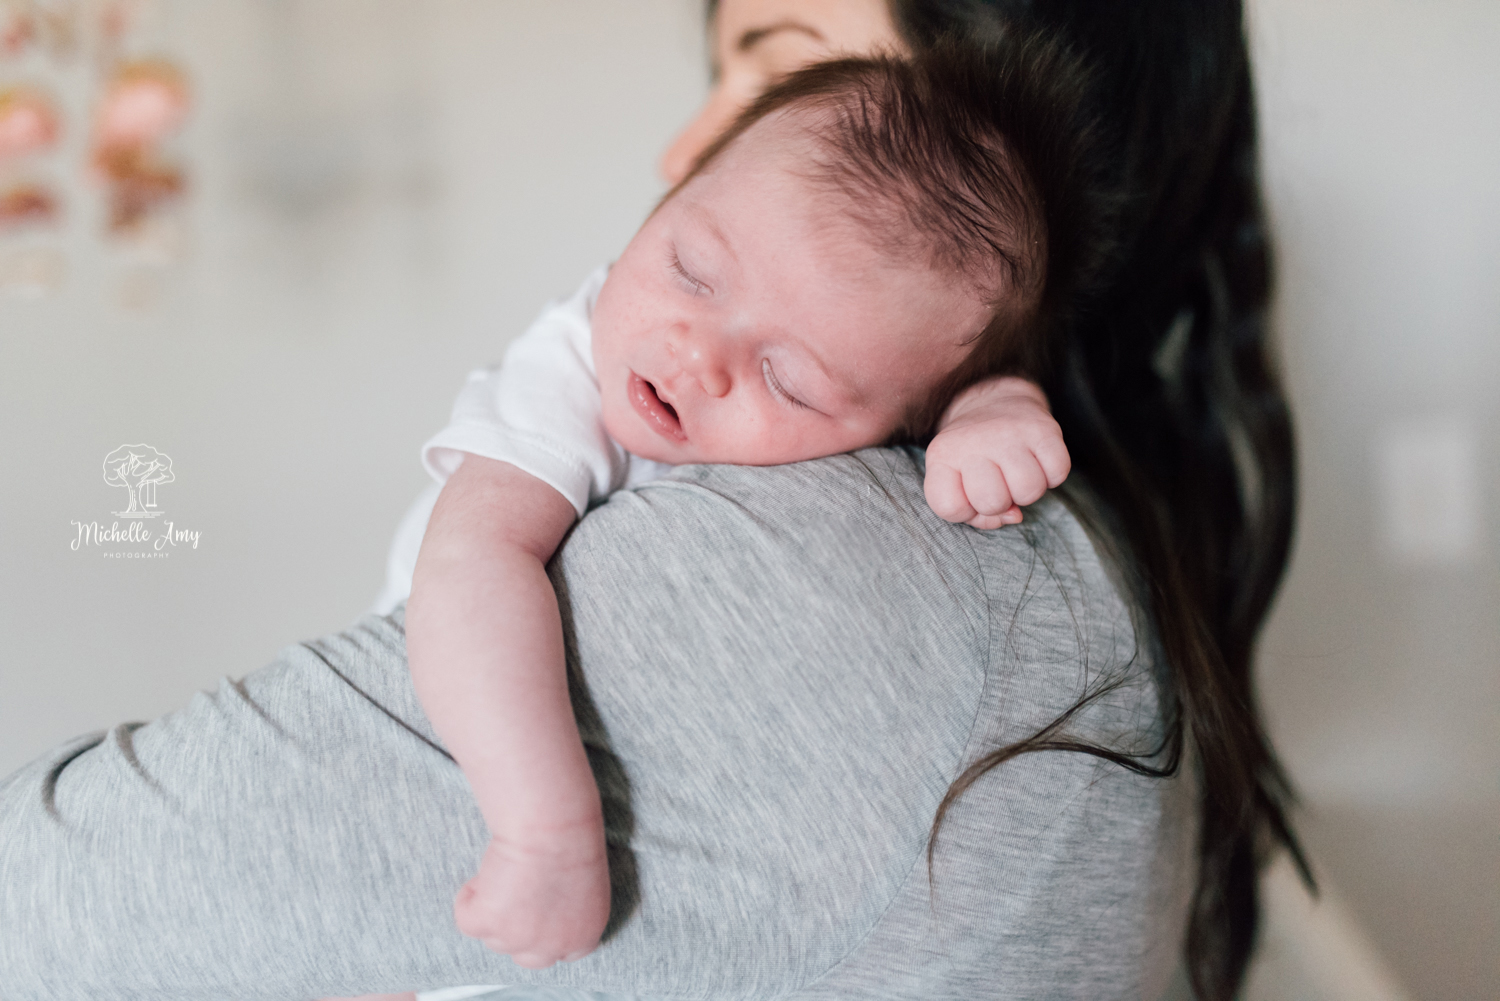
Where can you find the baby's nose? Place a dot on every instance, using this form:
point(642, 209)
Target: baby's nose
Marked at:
point(700, 361)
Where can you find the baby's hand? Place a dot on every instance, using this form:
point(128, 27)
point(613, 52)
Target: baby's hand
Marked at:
point(539, 901)
point(996, 449)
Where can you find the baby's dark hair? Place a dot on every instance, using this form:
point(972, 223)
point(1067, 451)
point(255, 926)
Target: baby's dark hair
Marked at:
point(980, 153)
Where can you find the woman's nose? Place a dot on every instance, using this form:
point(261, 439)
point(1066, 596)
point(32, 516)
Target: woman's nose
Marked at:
point(717, 112)
point(700, 360)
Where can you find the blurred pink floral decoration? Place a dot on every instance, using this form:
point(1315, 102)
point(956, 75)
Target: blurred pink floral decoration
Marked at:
point(84, 97)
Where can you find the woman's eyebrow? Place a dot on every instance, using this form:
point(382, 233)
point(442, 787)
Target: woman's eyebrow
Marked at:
point(754, 36)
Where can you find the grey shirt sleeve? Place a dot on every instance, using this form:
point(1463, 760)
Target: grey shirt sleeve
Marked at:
point(777, 673)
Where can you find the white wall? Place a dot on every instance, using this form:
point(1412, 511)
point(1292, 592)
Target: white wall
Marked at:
point(341, 280)
point(386, 191)
point(1381, 667)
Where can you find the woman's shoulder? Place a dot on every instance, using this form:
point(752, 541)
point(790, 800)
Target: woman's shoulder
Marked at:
point(831, 558)
point(856, 528)
point(814, 638)
point(1068, 623)
point(819, 587)
point(787, 669)
point(847, 546)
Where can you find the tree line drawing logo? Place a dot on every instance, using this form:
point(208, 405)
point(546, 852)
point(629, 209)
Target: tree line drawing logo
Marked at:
point(139, 469)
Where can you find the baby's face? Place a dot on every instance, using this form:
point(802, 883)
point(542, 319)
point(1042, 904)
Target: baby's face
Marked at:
point(750, 322)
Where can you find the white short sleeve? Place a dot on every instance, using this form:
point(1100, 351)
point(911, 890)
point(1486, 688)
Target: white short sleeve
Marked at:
point(539, 409)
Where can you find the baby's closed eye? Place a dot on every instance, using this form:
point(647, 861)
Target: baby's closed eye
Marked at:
point(776, 388)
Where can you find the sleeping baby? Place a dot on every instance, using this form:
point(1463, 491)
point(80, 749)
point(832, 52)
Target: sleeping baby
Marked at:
point(865, 257)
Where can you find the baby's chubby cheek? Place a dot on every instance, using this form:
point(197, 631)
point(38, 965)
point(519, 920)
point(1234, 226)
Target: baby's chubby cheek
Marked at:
point(614, 407)
point(615, 342)
point(615, 324)
point(604, 332)
point(620, 423)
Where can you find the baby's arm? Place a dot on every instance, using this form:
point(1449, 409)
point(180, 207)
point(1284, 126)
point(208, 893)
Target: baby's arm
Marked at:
point(997, 448)
point(484, 637)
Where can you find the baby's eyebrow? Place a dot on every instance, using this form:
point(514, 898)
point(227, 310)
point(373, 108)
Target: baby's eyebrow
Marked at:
point(845, 388)
point(710, 223)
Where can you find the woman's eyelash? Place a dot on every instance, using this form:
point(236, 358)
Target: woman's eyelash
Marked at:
point(697, 286)
point(770, 374)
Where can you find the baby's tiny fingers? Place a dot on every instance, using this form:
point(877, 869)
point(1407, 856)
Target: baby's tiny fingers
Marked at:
point(474, 918)
point(986, 486)
point(1055, 460)
point(944, 490)
point(984, 522)
point(1024, 474)
point(532, 961)
point(464, 912)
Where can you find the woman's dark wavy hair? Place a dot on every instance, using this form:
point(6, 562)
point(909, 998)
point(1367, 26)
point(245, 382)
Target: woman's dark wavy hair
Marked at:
point(1162, 378)
point(1172, 408)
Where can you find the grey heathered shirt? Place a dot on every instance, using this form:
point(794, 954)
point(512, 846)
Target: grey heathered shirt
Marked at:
point(778, 673)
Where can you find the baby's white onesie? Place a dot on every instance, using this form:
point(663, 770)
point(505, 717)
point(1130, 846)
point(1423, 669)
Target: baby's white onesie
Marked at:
point(539, 410)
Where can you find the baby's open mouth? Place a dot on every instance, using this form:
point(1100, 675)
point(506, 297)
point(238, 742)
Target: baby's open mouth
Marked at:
point(670, 409)
point(655, 411)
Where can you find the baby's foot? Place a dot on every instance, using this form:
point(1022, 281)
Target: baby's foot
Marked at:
point(540, 899)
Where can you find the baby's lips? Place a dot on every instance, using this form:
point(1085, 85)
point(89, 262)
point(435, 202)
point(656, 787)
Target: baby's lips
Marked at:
point(653, 409)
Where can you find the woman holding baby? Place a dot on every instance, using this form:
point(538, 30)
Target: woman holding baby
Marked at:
point(839, 743)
